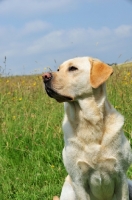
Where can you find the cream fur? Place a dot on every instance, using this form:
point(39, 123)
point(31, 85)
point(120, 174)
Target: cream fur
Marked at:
point(96, 153)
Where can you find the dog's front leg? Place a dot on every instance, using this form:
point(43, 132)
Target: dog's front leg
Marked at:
point(67, 190)
point(71, 191)
point(81, 193)
point(122, 192)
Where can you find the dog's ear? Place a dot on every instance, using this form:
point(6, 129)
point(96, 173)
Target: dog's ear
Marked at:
point(99, 73)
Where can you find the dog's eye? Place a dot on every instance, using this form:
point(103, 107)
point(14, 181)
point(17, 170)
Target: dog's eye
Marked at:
point(57, 69)
point(72, 68)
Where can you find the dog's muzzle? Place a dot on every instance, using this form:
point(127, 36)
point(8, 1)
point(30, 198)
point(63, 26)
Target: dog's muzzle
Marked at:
point(47, 78)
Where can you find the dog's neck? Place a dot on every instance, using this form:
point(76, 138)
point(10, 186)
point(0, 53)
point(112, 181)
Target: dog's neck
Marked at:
point(90, 107)
point(91, 113)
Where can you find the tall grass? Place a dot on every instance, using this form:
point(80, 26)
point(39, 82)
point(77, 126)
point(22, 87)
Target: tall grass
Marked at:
point(31, 139)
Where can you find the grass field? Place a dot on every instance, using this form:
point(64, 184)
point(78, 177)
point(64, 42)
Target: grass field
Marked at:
point(31, 138)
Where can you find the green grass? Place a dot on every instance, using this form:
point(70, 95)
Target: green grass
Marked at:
point(31, 138)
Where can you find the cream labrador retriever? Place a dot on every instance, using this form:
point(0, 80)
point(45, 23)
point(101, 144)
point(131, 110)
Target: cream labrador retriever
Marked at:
point(96, 153)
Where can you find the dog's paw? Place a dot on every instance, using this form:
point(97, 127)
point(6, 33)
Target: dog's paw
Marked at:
point(55, 198)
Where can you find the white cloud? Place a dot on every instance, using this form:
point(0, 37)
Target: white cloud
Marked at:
point(124, 30)
point(16, 39)
point(34, 26)
point(18, 43)
point(19, 40)
point(65, 39)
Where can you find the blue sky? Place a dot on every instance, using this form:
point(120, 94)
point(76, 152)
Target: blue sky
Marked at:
point(35, 34)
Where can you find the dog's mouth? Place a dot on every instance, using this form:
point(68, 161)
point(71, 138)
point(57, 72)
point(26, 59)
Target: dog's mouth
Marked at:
point(53, 94)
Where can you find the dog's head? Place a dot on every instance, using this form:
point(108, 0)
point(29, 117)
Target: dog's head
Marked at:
point(76, 78)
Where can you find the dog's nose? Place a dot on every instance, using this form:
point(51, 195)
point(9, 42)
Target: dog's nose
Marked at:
point(46, 77)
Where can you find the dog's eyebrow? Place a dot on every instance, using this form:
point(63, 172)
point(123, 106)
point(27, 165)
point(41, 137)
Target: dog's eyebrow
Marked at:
point(71, 64)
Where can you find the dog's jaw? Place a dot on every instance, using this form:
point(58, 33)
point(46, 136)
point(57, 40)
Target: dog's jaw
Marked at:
point(54, 94)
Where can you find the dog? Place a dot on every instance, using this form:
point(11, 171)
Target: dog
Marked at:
point(96, 154)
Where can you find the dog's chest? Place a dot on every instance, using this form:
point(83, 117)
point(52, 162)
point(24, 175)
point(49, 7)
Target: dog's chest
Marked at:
point(82, 142)
point(90, 166)
point(82, 130)
point(93, 154)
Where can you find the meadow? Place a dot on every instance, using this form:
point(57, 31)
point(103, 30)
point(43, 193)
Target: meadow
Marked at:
point(31, 139)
